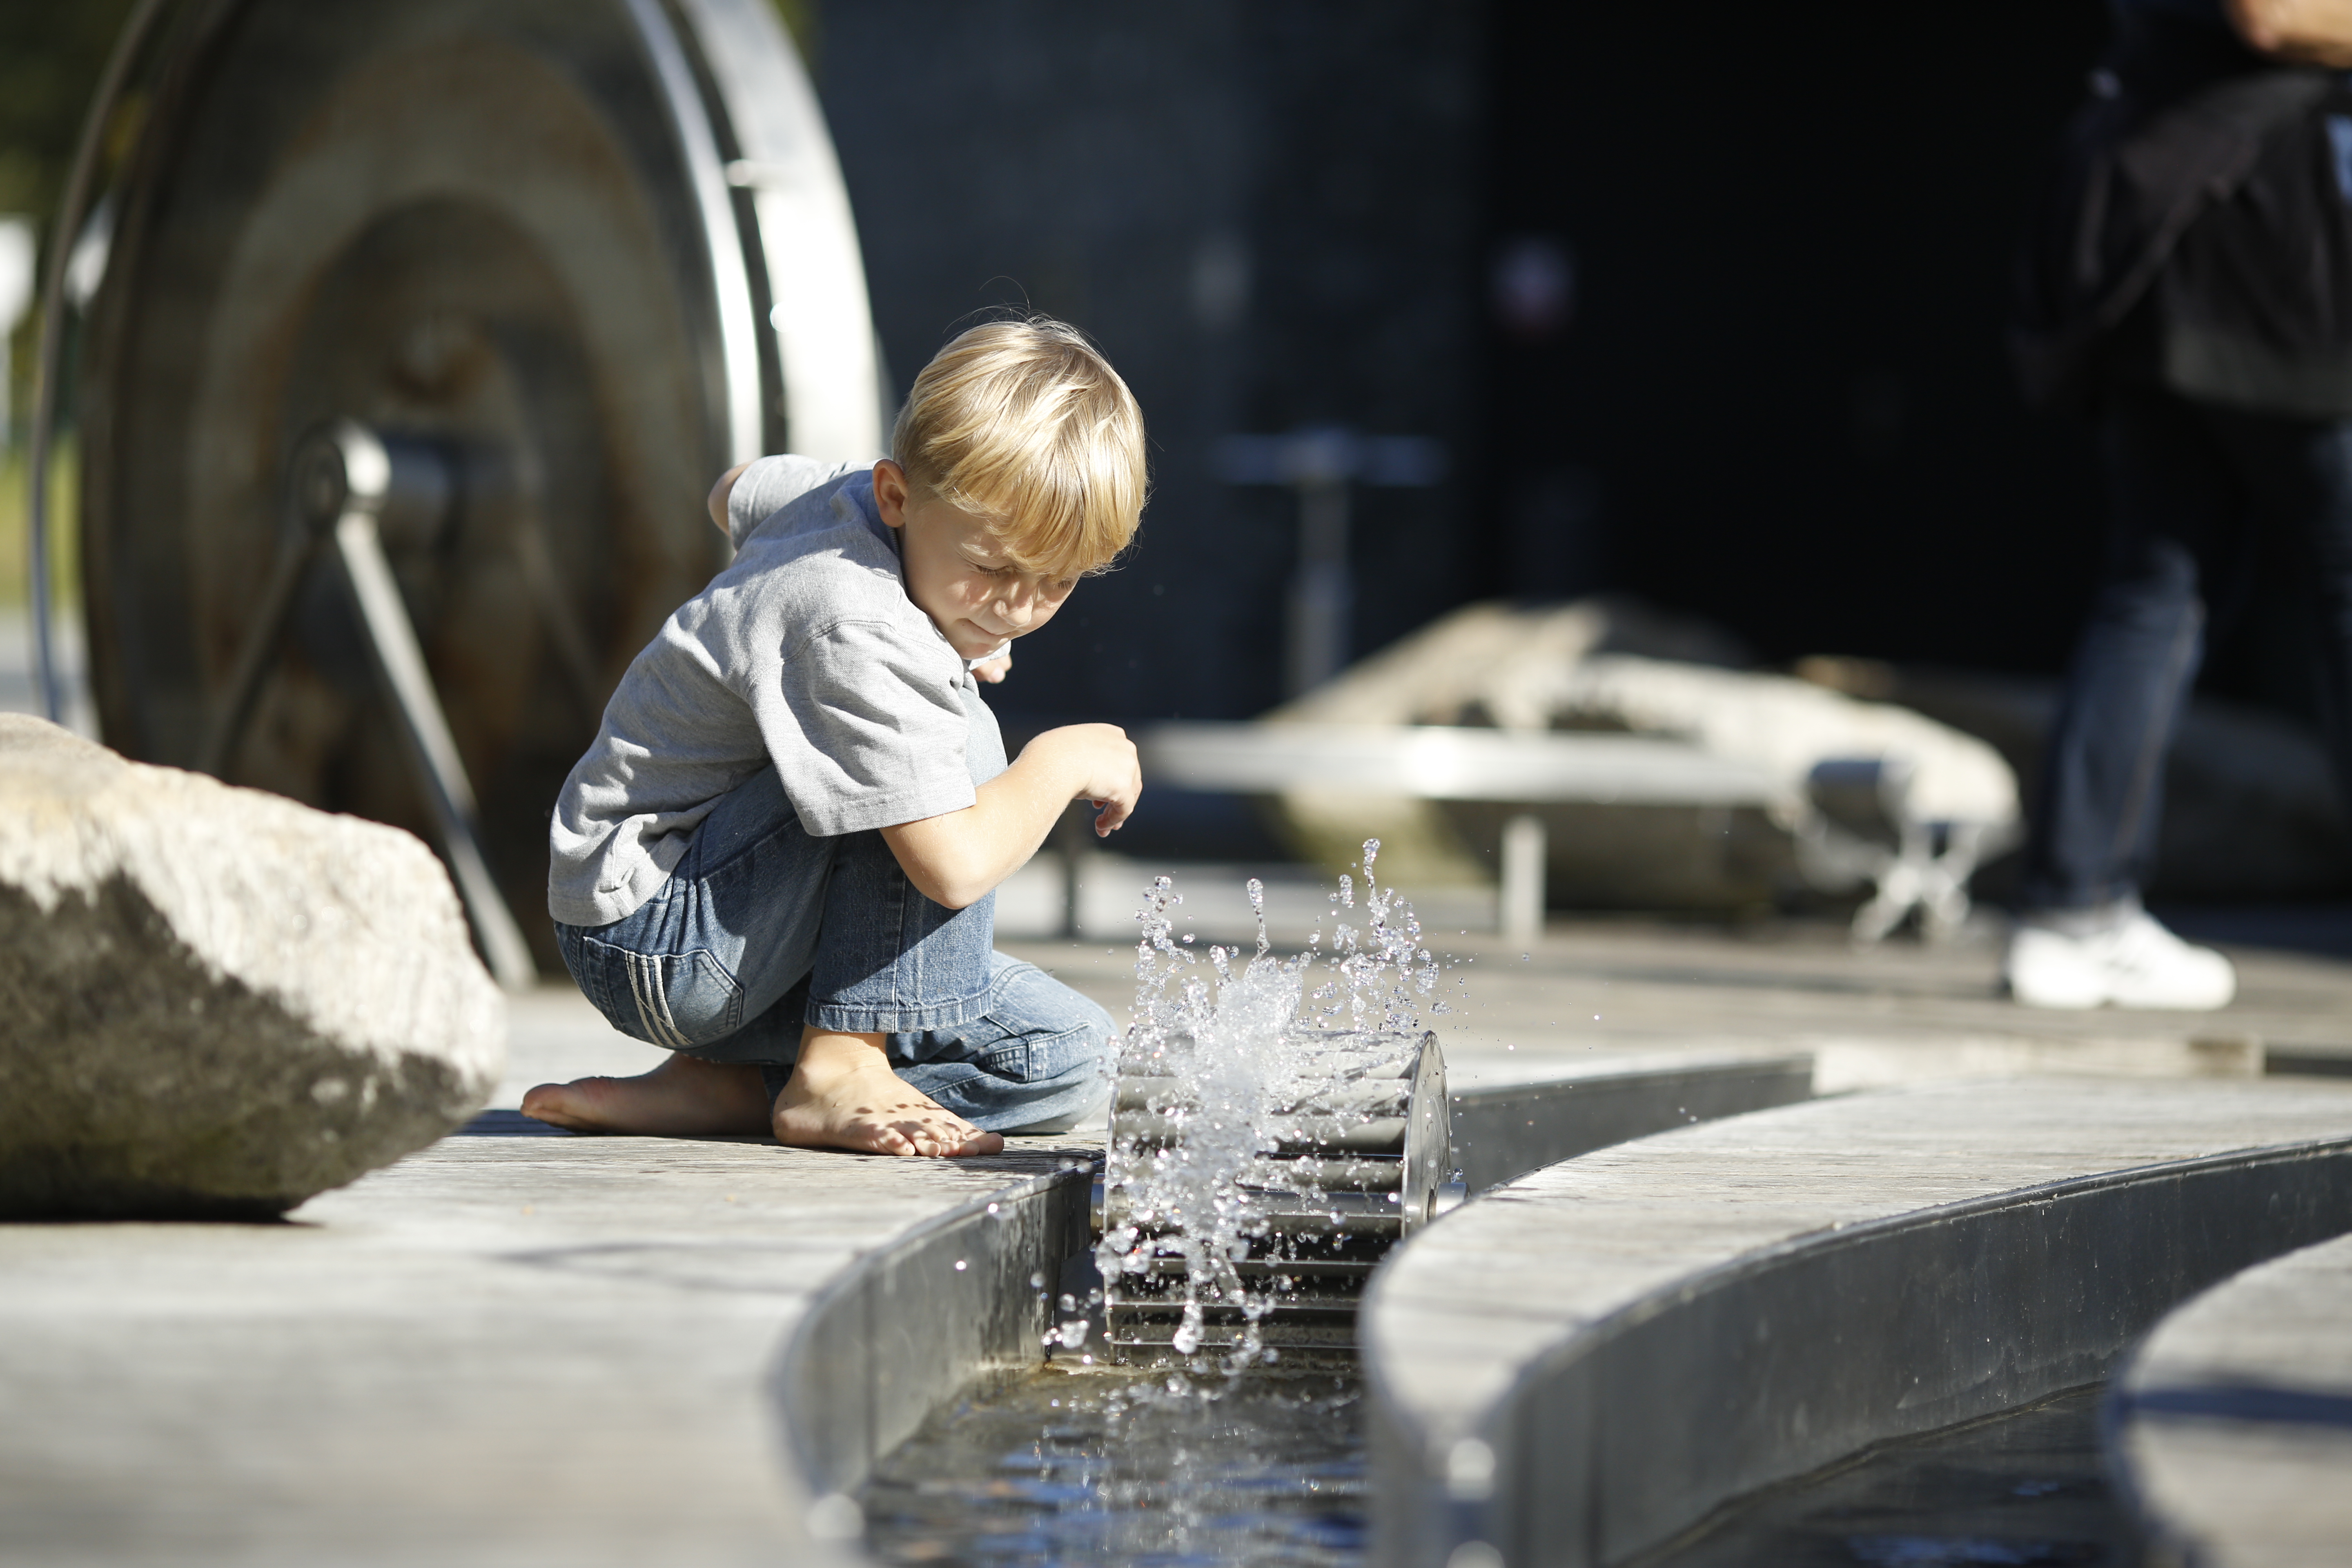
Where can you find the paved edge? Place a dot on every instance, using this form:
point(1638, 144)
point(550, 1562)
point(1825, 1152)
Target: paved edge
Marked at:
point(907, 1329)
point(2230, 1433)
point(1632, 1430)
point(1507, 1129)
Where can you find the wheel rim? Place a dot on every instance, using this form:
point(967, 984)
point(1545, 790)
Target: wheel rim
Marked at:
point(486, 224)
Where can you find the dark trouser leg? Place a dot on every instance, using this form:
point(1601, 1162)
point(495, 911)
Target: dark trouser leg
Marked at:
point(2174, 505)
point(2299, 472)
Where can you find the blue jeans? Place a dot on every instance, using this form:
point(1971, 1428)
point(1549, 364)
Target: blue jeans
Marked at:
point(2193, 489)
point(762, 928)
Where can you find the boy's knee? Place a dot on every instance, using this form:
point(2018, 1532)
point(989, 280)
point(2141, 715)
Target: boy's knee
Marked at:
point(1044, 1006)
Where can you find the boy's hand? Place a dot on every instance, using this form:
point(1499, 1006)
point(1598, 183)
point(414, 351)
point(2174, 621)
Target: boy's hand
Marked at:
point(1103, 770)
point(994, 669)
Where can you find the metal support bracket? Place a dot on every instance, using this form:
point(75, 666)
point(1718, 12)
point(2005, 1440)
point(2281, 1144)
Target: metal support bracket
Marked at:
point(347, 483)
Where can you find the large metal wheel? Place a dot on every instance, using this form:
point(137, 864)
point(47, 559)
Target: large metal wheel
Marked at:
point(584, 253)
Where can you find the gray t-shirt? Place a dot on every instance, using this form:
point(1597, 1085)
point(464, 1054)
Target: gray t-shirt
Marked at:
point(805, 655)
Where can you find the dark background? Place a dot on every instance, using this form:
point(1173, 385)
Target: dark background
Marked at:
point(1266, 213)
point(1768, 386)
point(1777, 394)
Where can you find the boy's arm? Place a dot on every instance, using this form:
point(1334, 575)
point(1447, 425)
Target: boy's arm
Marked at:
point(958, 858)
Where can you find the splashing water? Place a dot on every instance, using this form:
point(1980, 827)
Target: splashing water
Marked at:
point(1235, 1050)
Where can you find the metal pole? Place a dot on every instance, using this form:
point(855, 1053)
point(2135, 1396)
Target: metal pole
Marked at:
point(1321, 595)
point(269, 625)
point(1077, 835)
point(401, 664)
point(1520, 900)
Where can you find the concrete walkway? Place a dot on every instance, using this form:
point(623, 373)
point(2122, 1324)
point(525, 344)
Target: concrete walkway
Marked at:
point(504, 1350)
point(2231, 1428)
point(1596, 989)
point(1580, 1366)
point(538, 1349)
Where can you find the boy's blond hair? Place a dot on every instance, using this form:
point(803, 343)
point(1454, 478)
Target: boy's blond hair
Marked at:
point(1025, 425)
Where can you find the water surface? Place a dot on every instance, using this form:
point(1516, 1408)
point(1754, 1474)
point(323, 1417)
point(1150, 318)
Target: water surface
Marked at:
point(1101, 1467)
point(2021, 1491)
point(1105, 1467)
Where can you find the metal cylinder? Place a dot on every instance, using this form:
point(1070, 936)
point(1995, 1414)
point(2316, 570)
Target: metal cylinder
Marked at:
point(1340, 1174)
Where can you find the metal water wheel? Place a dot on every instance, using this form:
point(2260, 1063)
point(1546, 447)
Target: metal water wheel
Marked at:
point(425, 327)
point(1360, 1161)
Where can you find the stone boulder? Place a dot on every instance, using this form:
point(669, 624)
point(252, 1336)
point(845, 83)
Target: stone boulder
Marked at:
point(217, 1001)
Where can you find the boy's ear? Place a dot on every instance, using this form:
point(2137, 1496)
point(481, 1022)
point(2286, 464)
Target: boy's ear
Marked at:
point(890, 492)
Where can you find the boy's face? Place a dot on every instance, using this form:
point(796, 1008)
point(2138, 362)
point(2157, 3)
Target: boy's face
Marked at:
point(957, 573)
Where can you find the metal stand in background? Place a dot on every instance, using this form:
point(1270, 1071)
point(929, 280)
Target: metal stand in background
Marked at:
point(349, 491)
point(1520, 898)
point(1073, 836)
point(1320, 463)
point(1863, 832)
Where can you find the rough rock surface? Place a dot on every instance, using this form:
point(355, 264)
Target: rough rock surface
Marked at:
point(217, 1001)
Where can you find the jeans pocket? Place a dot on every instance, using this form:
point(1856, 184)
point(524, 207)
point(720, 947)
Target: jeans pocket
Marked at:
point(684, 999)
point(600, 970)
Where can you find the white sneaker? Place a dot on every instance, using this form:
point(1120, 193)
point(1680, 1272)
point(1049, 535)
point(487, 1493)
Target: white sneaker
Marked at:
point(2133, 963)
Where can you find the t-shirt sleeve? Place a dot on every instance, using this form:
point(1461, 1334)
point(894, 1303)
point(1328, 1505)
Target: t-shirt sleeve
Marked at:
point(774, 483)
point(865, 730)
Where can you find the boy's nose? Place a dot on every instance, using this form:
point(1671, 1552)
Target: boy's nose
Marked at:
point(1015, 606)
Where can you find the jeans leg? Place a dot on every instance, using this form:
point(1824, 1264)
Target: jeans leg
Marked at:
point(889, 960)
point(2101, 796)
point(1037, 1056)
point(702, 965)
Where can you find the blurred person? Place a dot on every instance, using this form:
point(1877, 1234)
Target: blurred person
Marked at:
point(2190, 288)
point(778, 860)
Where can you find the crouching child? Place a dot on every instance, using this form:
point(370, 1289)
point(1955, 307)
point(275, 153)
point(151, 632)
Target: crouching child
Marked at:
point(778, 858)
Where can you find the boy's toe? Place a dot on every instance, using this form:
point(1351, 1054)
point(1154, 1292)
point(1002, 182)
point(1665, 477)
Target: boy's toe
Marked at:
point(557, 1104)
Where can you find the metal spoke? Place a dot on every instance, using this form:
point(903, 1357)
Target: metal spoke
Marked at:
point(268, 626)
point(400, 665)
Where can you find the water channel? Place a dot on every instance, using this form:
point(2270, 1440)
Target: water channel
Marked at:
point(1260, 1461)
point(1109, 1469)
point(1106, 1466)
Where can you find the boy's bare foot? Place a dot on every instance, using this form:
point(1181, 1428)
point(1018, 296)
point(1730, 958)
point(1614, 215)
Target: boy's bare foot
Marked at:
point(843, 1095)
point(683, 1098)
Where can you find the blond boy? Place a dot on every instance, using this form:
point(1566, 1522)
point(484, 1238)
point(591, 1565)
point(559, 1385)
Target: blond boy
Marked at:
point(779, 857)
